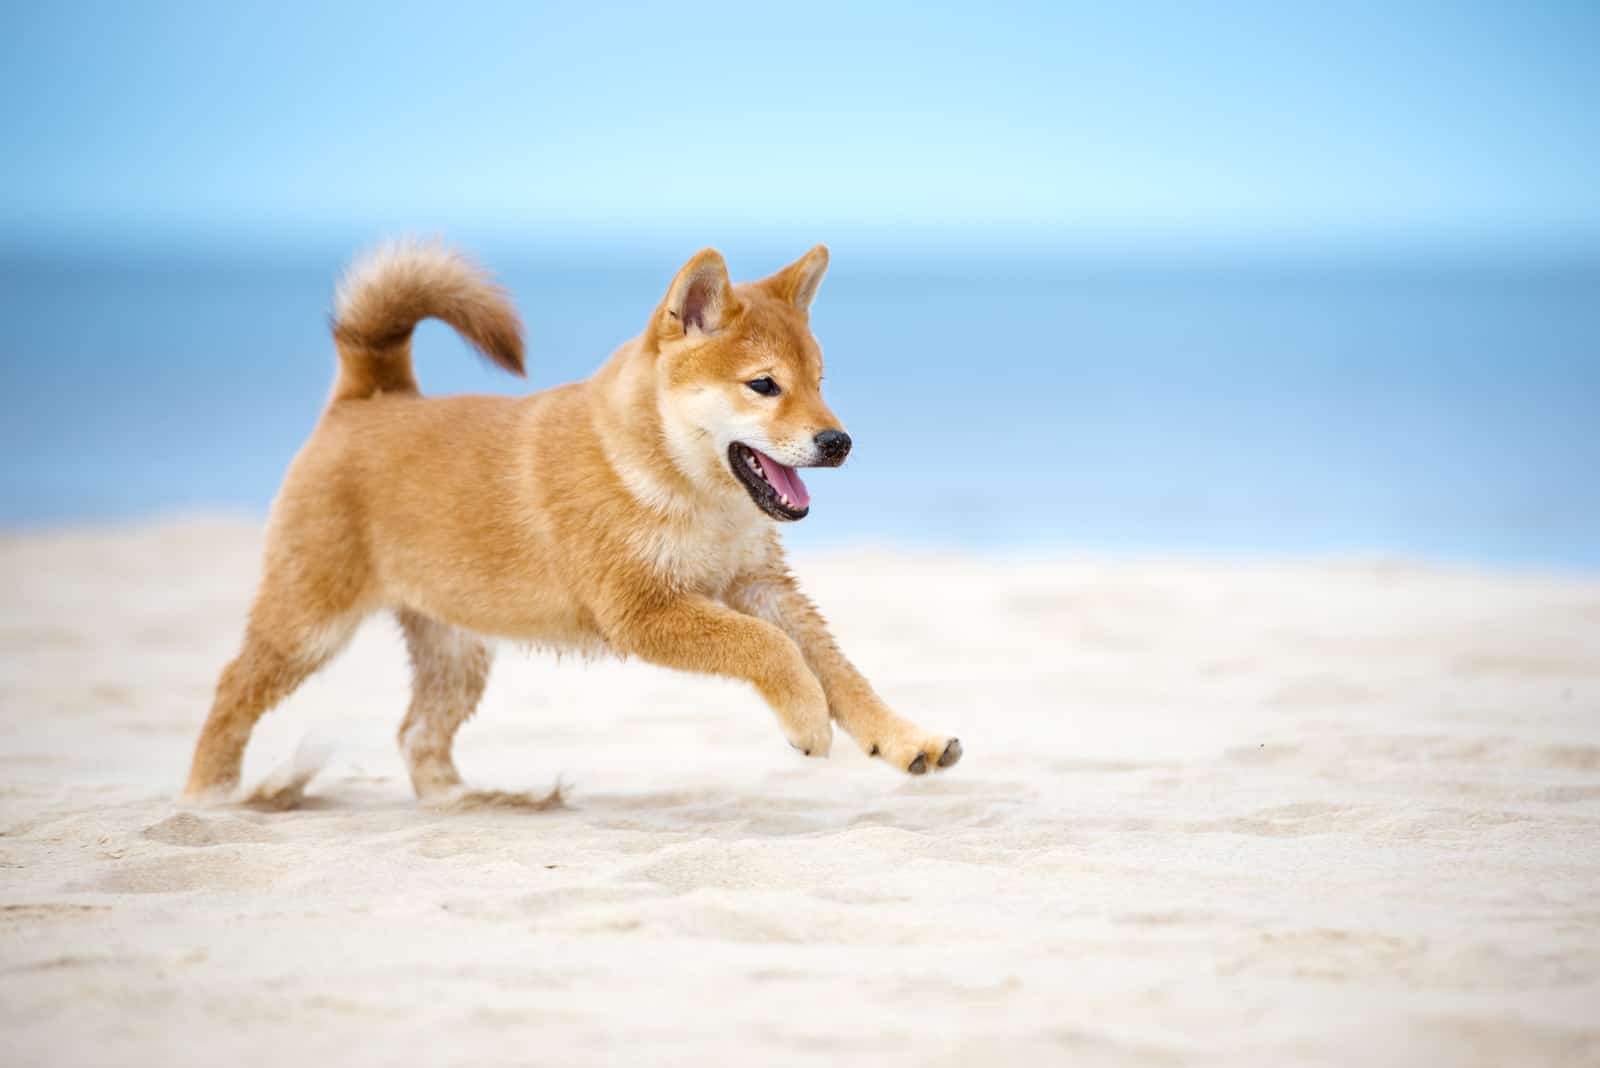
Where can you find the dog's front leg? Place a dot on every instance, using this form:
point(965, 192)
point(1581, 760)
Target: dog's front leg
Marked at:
point(851, 700)
point(697, 634)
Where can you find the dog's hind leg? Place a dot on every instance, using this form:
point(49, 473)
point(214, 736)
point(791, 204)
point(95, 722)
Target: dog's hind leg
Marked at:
point(272, 663)
point(304, 612)
point(449, 670)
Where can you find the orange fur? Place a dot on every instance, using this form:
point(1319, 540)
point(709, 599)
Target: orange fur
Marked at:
point(603, 515)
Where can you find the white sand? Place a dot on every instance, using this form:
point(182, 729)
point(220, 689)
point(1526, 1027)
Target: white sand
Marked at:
point(1225, 813)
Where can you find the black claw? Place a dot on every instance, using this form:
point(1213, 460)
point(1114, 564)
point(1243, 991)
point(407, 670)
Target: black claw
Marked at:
point(951, 754)
point(874, 749)
point(919, 765)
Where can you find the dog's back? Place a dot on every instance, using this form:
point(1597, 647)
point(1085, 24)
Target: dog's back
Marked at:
point(423, 503)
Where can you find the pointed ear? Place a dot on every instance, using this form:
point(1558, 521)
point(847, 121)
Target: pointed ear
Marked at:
point(798, 282)
point(700, 300)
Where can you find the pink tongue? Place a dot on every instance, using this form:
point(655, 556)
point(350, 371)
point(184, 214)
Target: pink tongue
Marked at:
point(786, 480)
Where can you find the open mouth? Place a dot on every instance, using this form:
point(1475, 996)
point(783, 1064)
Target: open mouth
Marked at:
point(776, 488)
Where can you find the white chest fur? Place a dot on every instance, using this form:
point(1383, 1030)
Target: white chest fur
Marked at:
point(703, 554)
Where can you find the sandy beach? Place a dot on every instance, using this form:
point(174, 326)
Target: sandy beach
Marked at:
point(1272, 812)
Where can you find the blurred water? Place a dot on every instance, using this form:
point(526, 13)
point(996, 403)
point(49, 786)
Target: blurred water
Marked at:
point(1444, 410)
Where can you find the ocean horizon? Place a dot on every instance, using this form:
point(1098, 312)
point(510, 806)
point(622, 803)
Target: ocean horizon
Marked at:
point(1445, 408)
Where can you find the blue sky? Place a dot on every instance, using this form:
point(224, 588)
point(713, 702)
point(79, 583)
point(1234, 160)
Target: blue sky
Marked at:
point(1253, 123)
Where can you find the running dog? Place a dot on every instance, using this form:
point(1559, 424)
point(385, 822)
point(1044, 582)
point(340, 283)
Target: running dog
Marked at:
point(634, 513)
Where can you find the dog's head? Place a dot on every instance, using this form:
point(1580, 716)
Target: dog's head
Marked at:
point(739, 381)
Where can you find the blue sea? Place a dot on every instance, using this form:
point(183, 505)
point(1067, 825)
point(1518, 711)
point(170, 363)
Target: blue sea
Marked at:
point(1443, 409)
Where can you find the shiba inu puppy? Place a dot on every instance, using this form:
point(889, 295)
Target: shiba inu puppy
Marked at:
point(634, 513)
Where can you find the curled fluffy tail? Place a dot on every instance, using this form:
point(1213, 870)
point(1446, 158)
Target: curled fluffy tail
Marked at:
point(388, 291)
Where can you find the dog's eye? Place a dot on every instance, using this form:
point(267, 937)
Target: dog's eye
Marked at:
point(764, 386)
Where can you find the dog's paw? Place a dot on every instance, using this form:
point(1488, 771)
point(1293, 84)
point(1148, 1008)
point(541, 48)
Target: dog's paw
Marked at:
point(918, 755)
point(814, 739)
point(210, 795)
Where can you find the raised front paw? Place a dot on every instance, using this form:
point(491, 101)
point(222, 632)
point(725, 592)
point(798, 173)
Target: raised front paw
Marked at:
point(915, 754)
point(813, 736)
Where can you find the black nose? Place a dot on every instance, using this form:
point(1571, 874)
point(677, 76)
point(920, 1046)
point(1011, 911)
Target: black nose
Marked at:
point(834, 445)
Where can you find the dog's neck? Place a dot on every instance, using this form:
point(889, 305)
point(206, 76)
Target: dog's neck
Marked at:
point(635, 439)
point(702, 536)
